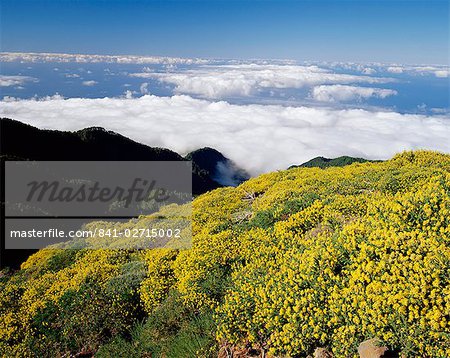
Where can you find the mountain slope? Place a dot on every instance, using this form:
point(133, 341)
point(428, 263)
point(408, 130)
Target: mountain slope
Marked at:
point(20, 141)
point(281, 265)
point(322, 162)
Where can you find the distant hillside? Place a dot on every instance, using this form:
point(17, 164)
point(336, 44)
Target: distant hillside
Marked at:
point(322, 162)
point(218, 167)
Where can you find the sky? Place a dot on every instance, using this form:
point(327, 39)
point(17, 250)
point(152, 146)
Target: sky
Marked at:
point(269, 84)
point(407, 32)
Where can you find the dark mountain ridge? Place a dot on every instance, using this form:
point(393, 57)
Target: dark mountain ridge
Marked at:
point(21, 141)
point(94, 143)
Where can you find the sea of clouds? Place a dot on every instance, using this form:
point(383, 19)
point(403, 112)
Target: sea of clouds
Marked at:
point(368, 69)
point(259, 138)
point(344, 93)
point(235, 106)
point(223, 81)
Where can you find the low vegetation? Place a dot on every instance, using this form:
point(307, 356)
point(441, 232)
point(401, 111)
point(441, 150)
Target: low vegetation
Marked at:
point(283, 264)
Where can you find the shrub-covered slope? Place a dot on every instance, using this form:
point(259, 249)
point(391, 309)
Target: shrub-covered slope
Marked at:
point(284, 263)
point(323, 163)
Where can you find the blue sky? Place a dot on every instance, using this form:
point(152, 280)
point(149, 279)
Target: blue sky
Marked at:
point(361, 31)
point(364, 78)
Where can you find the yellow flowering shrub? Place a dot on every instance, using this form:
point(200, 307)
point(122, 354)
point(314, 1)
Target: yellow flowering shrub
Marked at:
point(303, 278)
point(160, 277)
point(57, 310)
point(288, 261)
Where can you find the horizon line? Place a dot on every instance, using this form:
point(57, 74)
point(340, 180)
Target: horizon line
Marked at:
point(205, 58)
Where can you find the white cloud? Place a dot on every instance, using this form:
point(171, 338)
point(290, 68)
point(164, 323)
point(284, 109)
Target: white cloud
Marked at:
point(7, 81)
point(72, 75)
point(442, 73)
point(422, 107)
point(247, 79)
point(342, 93)
point(436, 70)
point(144, 88)
point(56, 96)
point(89, 83)
point(440, 110)
point(368, 71)
point(395, 69)
point(258, 138)
point(129, 94)
point(80, 58)
point(375, 67)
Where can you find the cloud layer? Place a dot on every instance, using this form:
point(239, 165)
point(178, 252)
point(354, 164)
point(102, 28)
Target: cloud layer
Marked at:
point(441, 71)
point(343, 93)
point(89, 83)
point(81, 58)
point(225, 81)
point(7, 81)
point(258, 138)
